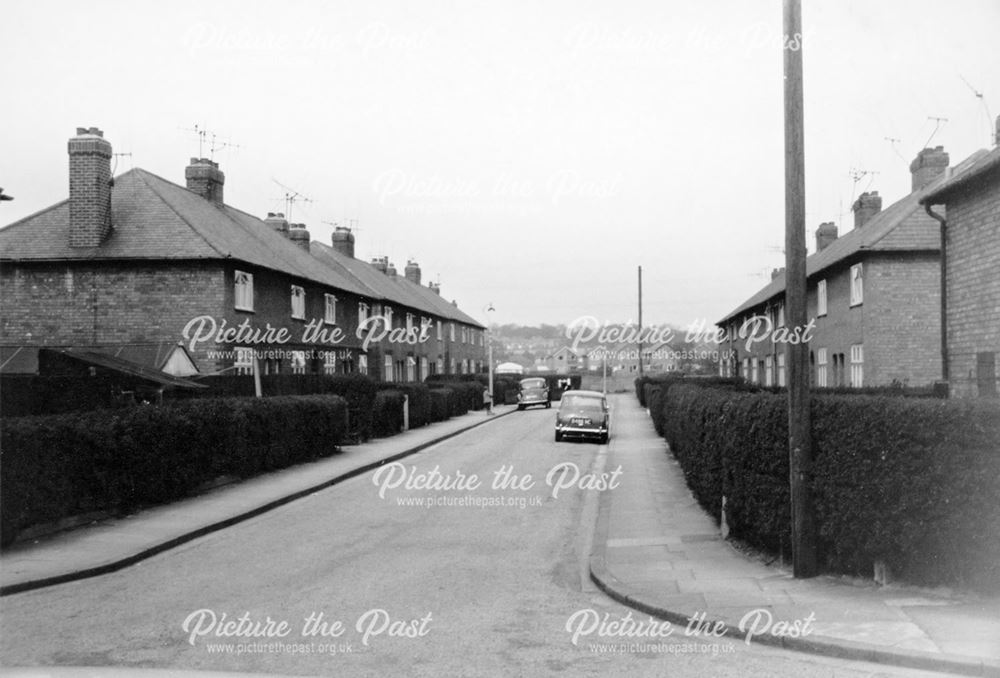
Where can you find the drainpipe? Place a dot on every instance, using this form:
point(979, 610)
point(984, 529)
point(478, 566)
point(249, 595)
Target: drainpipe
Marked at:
point(944, 289)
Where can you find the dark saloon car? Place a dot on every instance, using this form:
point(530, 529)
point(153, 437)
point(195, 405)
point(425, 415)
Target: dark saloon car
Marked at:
point(534, 391)
point(583, 414)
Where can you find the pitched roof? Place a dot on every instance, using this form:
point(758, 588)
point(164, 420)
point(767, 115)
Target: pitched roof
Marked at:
point(985, 163)
point(902, 227)
point(155, 219)
point(396, 288)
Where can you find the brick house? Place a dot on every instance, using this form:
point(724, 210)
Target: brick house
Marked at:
point(873, 297)
point(139, 261)
point(971, 271)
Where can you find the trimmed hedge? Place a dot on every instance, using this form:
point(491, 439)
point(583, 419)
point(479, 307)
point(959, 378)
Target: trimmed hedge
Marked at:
point(914, 483)
point(388, 413)
point(116, 460)
point(419, 396)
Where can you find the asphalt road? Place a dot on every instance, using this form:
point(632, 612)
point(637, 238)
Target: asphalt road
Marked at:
point(366, 579)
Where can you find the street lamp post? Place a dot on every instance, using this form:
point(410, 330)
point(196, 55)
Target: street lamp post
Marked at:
point(489, 354)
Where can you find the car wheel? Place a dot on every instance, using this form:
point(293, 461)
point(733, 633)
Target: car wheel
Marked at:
point(604, 439)
point(520, 407)
point(548, 405)
point(558, 437)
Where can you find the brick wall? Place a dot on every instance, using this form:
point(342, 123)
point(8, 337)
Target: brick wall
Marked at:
point(104, 303)
point(973, 284)
point(903, 327)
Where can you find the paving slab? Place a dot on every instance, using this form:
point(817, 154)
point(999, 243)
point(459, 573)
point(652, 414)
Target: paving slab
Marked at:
point(658, 551)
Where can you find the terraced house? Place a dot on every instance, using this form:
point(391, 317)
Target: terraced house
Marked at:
point(874, 296)
point(141, 268)
point(971, 271)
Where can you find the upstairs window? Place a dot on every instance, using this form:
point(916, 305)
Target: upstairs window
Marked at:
point(362, 312)
point(243, 291)
point(780, 316)
point(330, 362)
point(451, 335)
point(857, 285)
point(440, 331)
point(388, 317)
point(409, 324)
point(821, 298)
point(330, 316)
point(298, 302)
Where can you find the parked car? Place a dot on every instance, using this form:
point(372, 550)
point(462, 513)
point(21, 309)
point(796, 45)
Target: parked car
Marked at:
point(583, 414)
point(534, 391)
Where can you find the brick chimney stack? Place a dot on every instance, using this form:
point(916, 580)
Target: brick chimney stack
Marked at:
point(825, 234)
point(89, 188)
point(204, 177)
point(277, 221)
point(412, 271)
point(380, 263)
point(867, 206)
point(435, 287)
point(299, 235)
point(929, 164)
point(343, 241)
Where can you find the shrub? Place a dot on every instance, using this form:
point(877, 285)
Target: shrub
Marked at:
point(388, 413)
point(419, 399)
point(441, 403)
point(115, 460)
point(911, 482)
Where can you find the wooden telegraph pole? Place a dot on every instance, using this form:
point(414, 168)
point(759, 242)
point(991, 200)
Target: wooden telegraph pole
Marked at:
point(797, 355)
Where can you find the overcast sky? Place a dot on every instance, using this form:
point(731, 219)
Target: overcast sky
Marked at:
point(528, 154)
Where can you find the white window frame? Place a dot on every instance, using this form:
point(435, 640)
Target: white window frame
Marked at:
point(330, 362)
point(780, 315)
point(298, 359)
point(755, 370)
point(781, 369)
point(451, 331)
point(768, 370)
point(423, 368)
point(387, 367)
point(440, 329)
point(411, 368)
point(298, 302)
point(440, 365)
point(857, 285)
point(857, 365)
point(243, 291)
point(388, 317)
point(821, 362)
point(362, 312)
point(821, 298)
point(330, 309)
point(409, 323)
point(746, 368)
point(362, 364)
point(243, 362)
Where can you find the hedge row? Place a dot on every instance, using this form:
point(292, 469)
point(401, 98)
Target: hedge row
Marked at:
point(115, 460)
point(914, 483)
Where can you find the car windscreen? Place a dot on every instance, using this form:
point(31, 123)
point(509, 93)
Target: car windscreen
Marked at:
point(533, 383)
point(582, 402)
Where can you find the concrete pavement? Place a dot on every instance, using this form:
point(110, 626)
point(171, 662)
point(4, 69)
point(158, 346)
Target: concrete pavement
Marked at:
point(656, 550)
point(110, 545)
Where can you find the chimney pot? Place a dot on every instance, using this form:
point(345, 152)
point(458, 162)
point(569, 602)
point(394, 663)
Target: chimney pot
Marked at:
point(277, 222)
point(380, 263)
